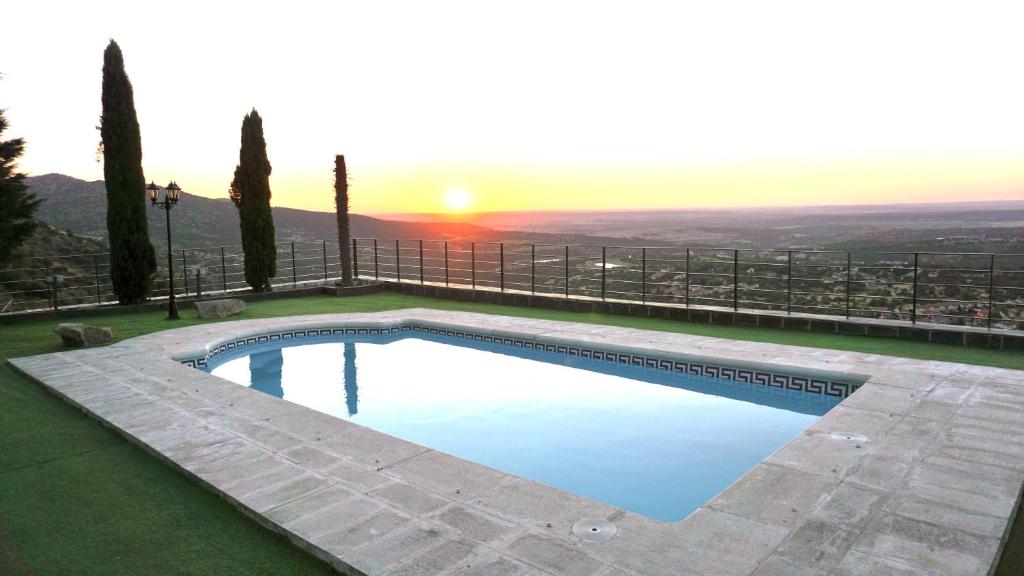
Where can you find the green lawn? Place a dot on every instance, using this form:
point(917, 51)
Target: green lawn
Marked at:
point(75, 498)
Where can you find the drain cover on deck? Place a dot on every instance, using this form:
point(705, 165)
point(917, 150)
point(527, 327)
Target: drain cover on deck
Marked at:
point(849, 437)
point(594, 529)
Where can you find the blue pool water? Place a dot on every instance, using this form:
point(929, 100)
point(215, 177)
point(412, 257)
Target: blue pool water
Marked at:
point(652, 441)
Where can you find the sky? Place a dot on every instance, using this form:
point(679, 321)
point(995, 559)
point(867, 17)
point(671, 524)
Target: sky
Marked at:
point(483, 106)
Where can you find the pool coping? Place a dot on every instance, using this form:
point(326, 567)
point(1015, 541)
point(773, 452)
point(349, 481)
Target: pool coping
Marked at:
point(918, 471)
point(826, 382)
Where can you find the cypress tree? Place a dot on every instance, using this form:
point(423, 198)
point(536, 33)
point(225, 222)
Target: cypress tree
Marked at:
point(132, 259)
point(17, 204)
point(341, 211)
point(250, 192)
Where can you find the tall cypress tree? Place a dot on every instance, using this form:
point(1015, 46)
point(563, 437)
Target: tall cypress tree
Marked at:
point(132, 259)
point(250, 191)
point(17, 204)
point(341, 210)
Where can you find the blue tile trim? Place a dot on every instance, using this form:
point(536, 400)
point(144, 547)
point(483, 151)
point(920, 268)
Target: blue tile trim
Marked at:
point(827, 387)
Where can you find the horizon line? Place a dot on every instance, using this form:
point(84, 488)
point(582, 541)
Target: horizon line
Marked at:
point(471, 214)
point(700, 209)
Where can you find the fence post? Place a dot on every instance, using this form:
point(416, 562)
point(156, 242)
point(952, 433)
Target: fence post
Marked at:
point(687, 301)
point(913, 301)
point(355, 259)
point(445, 262)
point(223, 271)
point(199, 282)
point(294, 277)
point(501, 266)
point(376, 261)
point(735, 280)
point(991, 286)
point(849, 268)
point(567, 271)
point(184, 270)
point(54, 290)
point(96, 271)
point(643, 275)
point(398, 263)
point(604, 266)
point(533, 268)
point(325, 260)
point(789, 282)
point(472, 264)
point(421, 261)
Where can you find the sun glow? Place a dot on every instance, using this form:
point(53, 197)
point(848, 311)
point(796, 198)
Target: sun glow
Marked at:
point(754, 117)
point(457, 199)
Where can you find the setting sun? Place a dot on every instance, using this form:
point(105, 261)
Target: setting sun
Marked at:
point(457, 199)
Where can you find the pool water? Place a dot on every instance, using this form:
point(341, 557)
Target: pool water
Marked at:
point(655, 442)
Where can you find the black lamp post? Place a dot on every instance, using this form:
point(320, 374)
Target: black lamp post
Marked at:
point(171, 195)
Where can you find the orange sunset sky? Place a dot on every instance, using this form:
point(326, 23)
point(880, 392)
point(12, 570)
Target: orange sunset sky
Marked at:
point(480, 106)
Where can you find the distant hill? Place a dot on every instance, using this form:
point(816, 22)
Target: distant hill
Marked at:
point(47, 240)
point(80, 206)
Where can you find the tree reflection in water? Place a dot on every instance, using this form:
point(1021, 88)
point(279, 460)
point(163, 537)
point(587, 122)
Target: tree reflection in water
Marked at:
point(351, 387)
point(265, 372)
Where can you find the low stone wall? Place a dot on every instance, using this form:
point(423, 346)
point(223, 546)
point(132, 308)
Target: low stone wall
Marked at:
point(354, 290)
point(938, 333)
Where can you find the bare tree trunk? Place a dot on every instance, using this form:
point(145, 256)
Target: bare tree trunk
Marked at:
point(341, 209)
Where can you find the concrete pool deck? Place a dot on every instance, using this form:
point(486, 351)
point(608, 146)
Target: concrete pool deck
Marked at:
point(918, 472)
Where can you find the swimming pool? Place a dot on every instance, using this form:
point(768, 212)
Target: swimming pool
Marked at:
point(644, 434)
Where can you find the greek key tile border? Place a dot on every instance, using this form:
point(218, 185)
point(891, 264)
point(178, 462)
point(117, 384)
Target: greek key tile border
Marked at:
point(828, 387)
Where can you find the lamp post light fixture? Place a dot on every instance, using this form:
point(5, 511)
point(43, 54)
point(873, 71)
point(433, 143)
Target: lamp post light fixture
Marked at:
point(171, 194)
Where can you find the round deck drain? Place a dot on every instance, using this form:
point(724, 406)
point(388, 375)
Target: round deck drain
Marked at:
point(595, 529)
point(848, 437)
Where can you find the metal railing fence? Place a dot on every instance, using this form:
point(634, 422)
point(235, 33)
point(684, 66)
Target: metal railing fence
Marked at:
point(973, 289)
point(61, 281)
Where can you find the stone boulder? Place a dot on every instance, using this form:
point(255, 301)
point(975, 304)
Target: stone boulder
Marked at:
point(83, 334)
point(219, 308)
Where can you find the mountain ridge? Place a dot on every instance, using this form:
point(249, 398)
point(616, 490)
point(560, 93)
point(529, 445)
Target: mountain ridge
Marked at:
point(80, 206)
